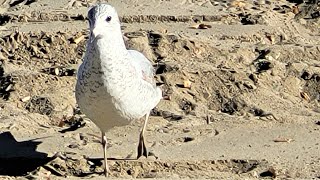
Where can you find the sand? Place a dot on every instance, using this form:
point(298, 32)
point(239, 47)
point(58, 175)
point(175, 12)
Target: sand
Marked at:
point(241, 77)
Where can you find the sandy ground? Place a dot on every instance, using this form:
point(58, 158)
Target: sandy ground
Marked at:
point(252, 110)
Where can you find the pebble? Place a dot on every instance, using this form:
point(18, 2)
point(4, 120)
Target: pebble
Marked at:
point(186, 130)
point(25, 99)
point(188, 139)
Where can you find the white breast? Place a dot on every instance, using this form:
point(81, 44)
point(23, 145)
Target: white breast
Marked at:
point(111, 92)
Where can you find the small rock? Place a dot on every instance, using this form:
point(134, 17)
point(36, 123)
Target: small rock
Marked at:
point(187, 84)
point(25, 99)
point(166, 164)
point(73, 145)
point(56, 71)
point(186, 130)
point(9, 88)
point(165, 130)
point(188, 139)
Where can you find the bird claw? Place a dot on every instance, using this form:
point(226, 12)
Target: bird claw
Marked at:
point(142, 149)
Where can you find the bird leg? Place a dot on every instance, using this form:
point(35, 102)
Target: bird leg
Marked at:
point(142, 150)
point(104, 145)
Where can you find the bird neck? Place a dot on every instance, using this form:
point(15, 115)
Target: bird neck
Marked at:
point(111, 43)
point(107, 48)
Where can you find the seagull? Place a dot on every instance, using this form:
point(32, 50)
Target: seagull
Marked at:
point(114, 85)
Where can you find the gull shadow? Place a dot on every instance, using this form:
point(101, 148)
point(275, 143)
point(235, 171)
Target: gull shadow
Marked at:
point(19, 158)
point(96, 159)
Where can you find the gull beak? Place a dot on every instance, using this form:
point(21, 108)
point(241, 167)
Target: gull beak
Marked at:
point(93, 34)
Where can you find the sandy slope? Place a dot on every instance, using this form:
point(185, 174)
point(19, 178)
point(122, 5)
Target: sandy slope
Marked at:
point(252, 110)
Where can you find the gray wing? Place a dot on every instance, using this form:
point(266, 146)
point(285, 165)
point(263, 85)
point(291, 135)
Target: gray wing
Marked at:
point(143, 65)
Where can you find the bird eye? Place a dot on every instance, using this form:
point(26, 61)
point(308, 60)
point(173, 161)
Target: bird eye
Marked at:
point(108, 19)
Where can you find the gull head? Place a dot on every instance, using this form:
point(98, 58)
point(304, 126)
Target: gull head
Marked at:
point(103, 21)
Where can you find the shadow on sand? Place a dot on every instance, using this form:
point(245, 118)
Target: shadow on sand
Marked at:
point(19, 158)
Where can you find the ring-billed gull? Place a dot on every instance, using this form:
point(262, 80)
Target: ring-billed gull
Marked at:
point(114, 85)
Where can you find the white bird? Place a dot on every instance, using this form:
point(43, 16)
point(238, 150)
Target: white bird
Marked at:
point(114, 85)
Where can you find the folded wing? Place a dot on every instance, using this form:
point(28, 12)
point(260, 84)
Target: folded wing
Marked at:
point(143, 66)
